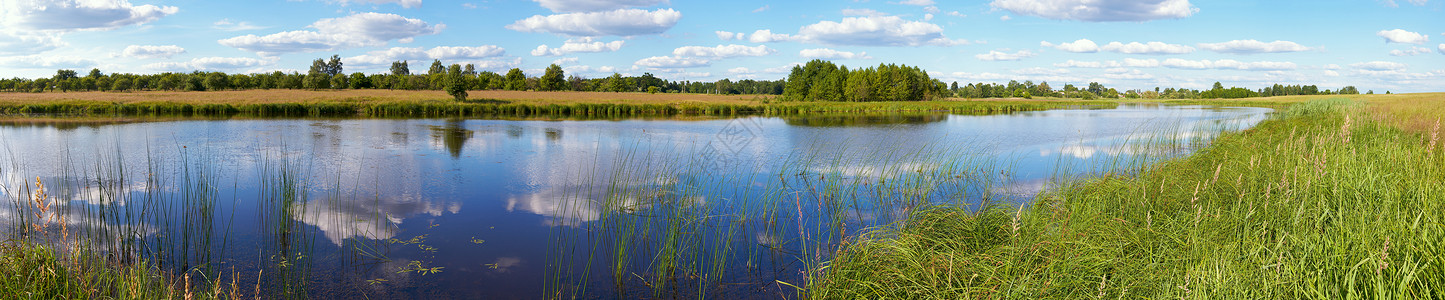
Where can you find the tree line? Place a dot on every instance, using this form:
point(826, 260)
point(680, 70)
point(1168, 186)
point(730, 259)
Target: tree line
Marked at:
point(817, 80)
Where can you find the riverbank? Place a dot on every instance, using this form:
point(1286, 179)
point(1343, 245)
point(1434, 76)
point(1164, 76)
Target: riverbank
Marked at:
point(1329, 199)
point(483, 104)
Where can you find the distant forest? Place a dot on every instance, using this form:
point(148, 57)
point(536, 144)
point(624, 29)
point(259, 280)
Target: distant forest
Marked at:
point(817, 80)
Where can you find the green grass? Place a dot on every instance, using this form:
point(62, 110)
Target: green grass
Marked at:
point(500, 109)
point(1321, 201)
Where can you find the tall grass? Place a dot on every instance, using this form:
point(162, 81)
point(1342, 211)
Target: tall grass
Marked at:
point(1319, 202)
point(432, 109)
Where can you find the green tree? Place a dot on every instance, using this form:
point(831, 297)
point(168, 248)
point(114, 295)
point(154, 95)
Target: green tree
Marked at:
point(615, 83)
point(516, 80)
point(436, 68)
point(399, 68)
point(456, 83)
point(553, 79)
point(121, 84)
point(338, 81)
point(359, 81)
point(216, 81)
point(333, 66)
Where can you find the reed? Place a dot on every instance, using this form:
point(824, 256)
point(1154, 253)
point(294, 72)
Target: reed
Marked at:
point(1321, 201)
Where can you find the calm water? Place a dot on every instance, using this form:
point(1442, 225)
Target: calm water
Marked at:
point(528, 209)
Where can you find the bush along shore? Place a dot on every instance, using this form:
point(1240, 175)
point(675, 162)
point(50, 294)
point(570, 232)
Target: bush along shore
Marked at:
point(431, 109)
point(1324, 200)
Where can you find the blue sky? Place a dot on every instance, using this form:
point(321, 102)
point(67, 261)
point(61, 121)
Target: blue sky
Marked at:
point(1376, 45)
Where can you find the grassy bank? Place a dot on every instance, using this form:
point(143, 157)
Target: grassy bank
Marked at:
point(414, 104)
point(33, 271)
point(1330, 199)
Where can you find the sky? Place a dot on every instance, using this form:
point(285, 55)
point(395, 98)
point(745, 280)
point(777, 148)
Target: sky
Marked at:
point(1395, 45)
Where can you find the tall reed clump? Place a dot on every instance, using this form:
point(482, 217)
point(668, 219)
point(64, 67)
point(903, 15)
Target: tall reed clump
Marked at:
point(123, 242)
point(1318, 202)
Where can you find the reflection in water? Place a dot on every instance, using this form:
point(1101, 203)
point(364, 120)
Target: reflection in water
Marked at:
point(376, 219)
point(453, 135)
point(865, 120)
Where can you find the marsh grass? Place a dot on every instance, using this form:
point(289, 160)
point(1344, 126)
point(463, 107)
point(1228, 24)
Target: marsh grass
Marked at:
point(1321, 201)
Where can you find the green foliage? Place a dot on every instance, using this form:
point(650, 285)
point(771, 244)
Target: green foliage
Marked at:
point(553, 79)
point(456, 85)
point(515, 80)
point(820, 80)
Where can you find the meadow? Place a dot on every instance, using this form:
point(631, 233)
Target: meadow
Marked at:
point(1332, 198)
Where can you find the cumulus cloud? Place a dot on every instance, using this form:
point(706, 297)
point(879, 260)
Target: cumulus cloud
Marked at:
point(1124, 74)
point(1040, 71)
point(1411, 52)
point(996, 55)
point(1442, 48)
point(1100, 10)
point(564, 61)
point(621, 22)
point(69, 15)
point(673, 62)
point(766, 36)
point(47, 62)
point(1088, 46)
point(854, 12)
point(20, 43)
point(825, 53)
point(1079, 46)
point(876, 31)
point(358, 30)
point(569, 6)
point(222, 64)
point(1227, 64)
point(148, 51)
point(721, 51)
point(1152, 48)
point(580, 45)
point(1379, 66)
point(1402, 36)
point(727, 36)
point(403, 3)
point(916, 2)
point(1128, 62)
point(385, 57)
point(1253, 47)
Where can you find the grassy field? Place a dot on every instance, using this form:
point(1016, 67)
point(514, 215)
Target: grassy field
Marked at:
point(1333, 198)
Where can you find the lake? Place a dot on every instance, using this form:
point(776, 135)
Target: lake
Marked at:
point(435, 208)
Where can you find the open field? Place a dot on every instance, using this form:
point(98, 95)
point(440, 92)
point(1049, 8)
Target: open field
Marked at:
point(1333, 198)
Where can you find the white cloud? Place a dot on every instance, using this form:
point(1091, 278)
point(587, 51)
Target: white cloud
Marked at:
point(673, 62)
point(1152, 48)
point(358, 30)
point(403, 3)
point(228, 25)
point(765, 36)
point(1128, 62)
point(223, 64)
point(1253, 47)
point(762, 9)
point(721, 51)
point(1402, 36)
point(917, 2)
point(385, 57)
point(581, 45)
point(594, 5)
point(1412, 52)
point(1079, 46)
point(565, 60)
point(147, 51)
point(728, 36)
point(22, 43)
point(1442, 48)
point(957, 14)
point(1379, 66)
point(47, 62)
point(1227, 64)
point(1128, 75)
point(1100, 10)
point(1040, 71)
point(1391, 3)
point(1005, 18)
point(781, 69)
point(739, 70)
point(825, 53)
point(996, 55)
point(69, 15)
point(621, 22)
point(1088, 46)
point(1332, 67)
point(1331, 73)
point(876, 31)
